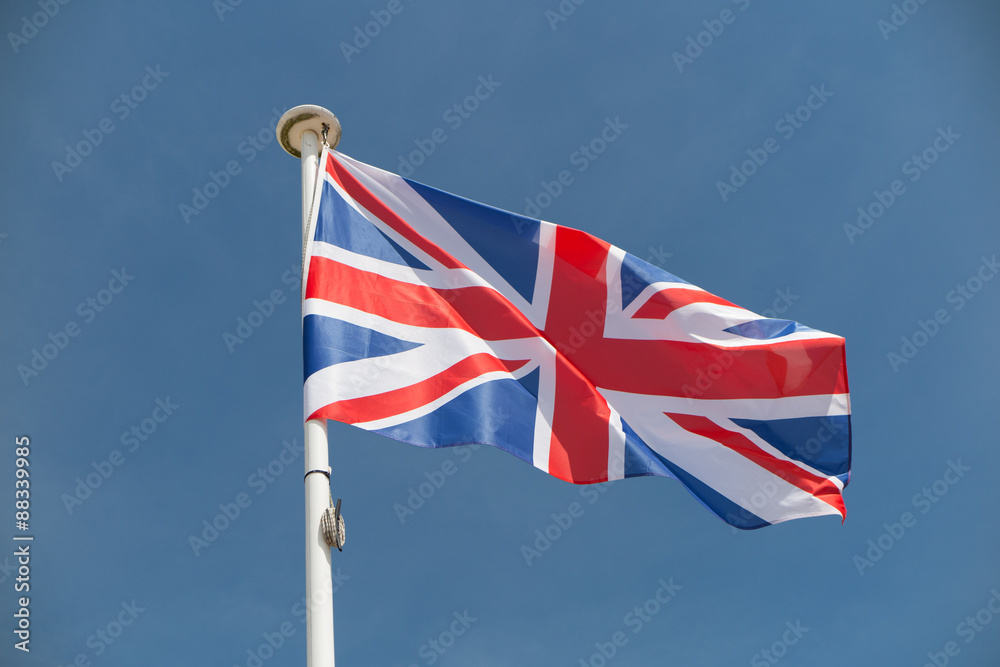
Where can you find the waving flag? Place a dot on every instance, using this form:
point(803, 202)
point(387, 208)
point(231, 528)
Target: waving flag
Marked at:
point(439, 321)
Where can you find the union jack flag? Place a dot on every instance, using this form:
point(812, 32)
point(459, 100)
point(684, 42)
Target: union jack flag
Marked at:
point(426, 315)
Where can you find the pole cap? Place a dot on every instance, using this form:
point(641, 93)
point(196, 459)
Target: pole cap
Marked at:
point(303, 118)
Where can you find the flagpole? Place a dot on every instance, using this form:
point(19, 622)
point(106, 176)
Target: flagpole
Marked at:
point(299, 130)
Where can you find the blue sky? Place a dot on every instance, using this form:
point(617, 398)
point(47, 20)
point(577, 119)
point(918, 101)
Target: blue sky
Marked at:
point(895, 584)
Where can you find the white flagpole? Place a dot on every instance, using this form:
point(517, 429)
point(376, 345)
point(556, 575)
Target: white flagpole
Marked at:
point(299, 131)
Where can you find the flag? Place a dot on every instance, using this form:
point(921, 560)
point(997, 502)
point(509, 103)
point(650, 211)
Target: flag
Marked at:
point(440, 321)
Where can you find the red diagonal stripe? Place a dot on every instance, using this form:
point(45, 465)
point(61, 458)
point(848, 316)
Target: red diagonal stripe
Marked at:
point(366, 198)
point(399, 401)
point(815, 485)
point(668, 300)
